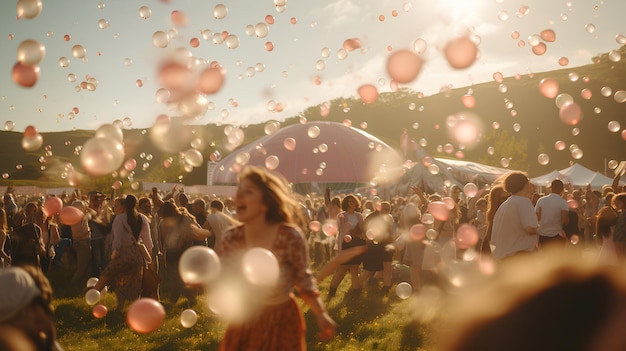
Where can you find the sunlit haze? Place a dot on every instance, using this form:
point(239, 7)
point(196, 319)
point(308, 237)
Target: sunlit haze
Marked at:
point(296, 58)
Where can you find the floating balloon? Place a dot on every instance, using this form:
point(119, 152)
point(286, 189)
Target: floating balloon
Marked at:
point(145, 315)
point(571, 114)
point(130, 164)
point(315, 226)
point(543, 159)
point(52, 206)
point(313, 132)
point(211, 80)
point(260, 267)
point(563, 99)
point(110, 131)
point(404, 290)
point(188, 318)
point(220, 11)
point(461, 52)
point(99, 311)
point(404, 66)
point(160, 39)
point(28, 8)
point(272, 162)
point(470, 189)
point(347, 238)
point(194, 157)
point(70, 215)
point(25, 75)
point(32, 140)
point(439, 210)
point(428, 219)
point(549, 88)
point(289, 144)
point(199, 265)
point(30, 52)
point(330, 228)
point(145, 12)
point(92, 296)
point(466, 236)
point(101, 156)
point(91, 282)
point(368, 93)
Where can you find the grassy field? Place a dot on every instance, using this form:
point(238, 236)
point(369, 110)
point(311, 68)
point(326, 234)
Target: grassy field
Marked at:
point(369, 322)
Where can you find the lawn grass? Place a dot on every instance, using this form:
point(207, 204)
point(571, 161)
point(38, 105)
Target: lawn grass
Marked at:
point(370, 321)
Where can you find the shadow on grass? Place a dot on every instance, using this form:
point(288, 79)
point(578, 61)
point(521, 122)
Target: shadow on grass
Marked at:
point(412, 336)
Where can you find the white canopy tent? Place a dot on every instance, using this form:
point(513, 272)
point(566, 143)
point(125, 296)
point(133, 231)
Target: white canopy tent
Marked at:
point(577, 175)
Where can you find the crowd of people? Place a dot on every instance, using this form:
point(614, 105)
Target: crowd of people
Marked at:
point(403, 234)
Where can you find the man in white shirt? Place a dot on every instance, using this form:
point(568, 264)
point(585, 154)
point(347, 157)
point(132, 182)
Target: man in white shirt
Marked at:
point(552, 213)
point(515, 224)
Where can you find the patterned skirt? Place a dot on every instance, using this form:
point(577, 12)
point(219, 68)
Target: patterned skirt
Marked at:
point(277, 327)
point(127, 271)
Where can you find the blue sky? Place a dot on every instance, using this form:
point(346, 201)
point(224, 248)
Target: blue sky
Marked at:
point(288, 71)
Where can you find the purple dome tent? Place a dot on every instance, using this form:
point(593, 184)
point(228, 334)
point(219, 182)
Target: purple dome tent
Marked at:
point(323, 152)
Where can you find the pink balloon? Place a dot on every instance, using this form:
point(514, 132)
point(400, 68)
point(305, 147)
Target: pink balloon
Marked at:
point(466, 236)
point(417, 232)
point(404, 66)
point(470, 189)
point(461, 52)
point(130, 164)
point(52, 206)
point(571, 114)
point(540, 49)
point(315, 226)
point(548, 35)
point(347, 238)
point(368, 93)
point(145, 315)
point(24, 75)
point(99, 311)
point(549, 88)
point(289, 144)
point(439, 210)
point(70, 215)
point(468, 100)
point(330, 228)
point(211, 80)
point(449, 202)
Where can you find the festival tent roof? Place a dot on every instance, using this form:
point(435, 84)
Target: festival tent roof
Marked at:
point(546, 179)
point(472, 172)
point(577, 175)
point(582, 176)
point(323, 152)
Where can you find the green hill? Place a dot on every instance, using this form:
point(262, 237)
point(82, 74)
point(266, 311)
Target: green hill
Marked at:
point(514, 100)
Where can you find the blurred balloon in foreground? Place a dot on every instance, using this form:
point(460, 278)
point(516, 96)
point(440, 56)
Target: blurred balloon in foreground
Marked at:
point(30, 52)
point(404, 66)
point(404, 290)
point(32, 140)
point(70, 215)
point(571, 114)
point(439, 210)
point(260, 267)
point(199, 265)
point(145, 315)
point(549, 88)
point(25, 75)
point(101, 156)
point(315, 226)
point(330, 228)
point(368, 93)
point(188, 318)
point(28, 8)
point(52, 206)
point(461, 52)
point(466, 236)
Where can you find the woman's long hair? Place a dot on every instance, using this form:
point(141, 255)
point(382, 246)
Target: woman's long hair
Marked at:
point(276, 195)
point(132, 216)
